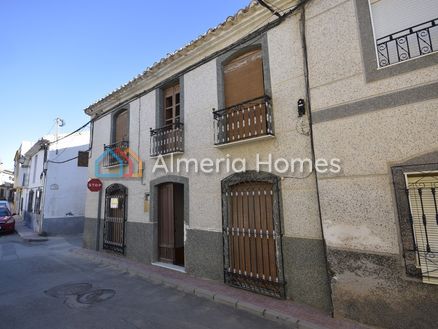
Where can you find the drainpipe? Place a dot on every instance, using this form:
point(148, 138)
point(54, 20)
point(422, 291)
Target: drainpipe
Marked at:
point(44, 189)
point(312, 141)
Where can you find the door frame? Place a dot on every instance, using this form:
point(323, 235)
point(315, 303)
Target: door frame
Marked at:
point(154, 191)
point(262, 177)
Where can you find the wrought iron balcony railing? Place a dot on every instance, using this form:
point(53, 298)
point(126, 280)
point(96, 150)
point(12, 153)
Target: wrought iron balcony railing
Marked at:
point(418, 40)
point(167, 139)
point(243, 121)
point(119, 149)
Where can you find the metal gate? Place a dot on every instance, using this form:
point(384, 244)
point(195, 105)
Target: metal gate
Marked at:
point(252, 237)
point(115, 218)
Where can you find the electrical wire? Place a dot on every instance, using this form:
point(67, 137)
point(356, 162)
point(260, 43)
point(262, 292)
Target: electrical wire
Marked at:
point(72, 133)
point(68, 160)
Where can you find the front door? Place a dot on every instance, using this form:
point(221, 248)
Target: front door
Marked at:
point(115, 218)
point(171, 223)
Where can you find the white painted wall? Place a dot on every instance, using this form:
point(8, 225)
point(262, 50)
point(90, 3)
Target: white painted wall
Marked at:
point(66, 183)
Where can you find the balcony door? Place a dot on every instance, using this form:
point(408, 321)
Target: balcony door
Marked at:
point(172, 107)
point(121, 127)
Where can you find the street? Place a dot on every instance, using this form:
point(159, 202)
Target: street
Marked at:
point(44, 285)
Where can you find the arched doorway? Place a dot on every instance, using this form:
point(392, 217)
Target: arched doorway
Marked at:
point(115, 218)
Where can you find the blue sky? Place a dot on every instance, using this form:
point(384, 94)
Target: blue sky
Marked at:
point(58, 57)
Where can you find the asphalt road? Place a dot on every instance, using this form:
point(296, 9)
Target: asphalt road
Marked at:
point(44, 285)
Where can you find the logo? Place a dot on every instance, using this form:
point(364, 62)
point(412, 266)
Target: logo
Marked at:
point(118, 162)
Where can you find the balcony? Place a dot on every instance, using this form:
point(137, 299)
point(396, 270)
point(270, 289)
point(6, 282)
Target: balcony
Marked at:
point(243, 121)
point(109, 159)
point(418, 40)
point(167, 139)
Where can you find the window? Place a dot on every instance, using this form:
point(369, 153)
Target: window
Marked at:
point(38, 201)
point(30, 202)
point(121, 127)
point(404, 29)
point(243, 78)
point(168, 137)
point(119, 139)
point(247, 109)
point(172, 105)
point(35, 163)
point(422, 190)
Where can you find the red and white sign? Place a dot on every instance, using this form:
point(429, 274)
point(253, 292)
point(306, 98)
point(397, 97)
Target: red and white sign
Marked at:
point(94, 185)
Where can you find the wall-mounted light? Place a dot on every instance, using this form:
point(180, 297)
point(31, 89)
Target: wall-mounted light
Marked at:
point(301, 107)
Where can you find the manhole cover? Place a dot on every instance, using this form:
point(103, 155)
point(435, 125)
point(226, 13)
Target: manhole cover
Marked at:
point(95, 296)
point(68, 289)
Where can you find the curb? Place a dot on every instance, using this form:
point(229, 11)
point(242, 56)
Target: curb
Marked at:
point(31, 237)
point(154, 278)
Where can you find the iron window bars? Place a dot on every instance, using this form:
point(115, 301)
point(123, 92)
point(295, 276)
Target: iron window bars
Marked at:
point(412, 42)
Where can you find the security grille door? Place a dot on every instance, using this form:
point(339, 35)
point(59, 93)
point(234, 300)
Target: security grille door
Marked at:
point(115, 218)
point(166, 240)
point(252, 240)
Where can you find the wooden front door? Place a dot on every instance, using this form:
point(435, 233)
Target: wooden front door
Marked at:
point(252, 238)
point(171, 223)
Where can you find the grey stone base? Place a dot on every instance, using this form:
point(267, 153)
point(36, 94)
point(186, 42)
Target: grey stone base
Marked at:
point(373, 289)
point(305, 272)
point(204, 254)
point(65, 225)
point(140, 241)
point(89, 236)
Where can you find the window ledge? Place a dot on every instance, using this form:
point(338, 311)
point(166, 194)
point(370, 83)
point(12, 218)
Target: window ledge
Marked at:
point(245, 141)
point(165, 155)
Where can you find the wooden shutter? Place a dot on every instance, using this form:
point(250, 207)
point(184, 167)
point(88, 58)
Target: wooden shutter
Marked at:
point(243, 78)
point(121, 127)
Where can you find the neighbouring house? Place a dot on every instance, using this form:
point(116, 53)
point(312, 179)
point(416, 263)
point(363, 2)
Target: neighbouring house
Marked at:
point(20, 172)
point(373, 71)
point(348, 80)
point(6, 185)
point(53, 188)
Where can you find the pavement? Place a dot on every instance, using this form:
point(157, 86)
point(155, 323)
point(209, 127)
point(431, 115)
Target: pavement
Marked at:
point(26, 233)
point(57, 284)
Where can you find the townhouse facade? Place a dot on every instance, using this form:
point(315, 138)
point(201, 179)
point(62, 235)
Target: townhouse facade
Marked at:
point(375, 106)
point(296, 83)
point(20, 172)
point(52, 194)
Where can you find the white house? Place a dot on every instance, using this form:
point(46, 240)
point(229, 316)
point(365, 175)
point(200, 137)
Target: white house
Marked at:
point(54, 185)
point(6, 184)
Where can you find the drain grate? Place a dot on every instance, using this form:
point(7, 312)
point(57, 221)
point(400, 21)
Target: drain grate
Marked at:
point(77, 294)
point(95, 296)
point(68, 289)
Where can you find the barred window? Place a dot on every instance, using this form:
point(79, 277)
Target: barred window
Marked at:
point(422, 190)
point(404, 29)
